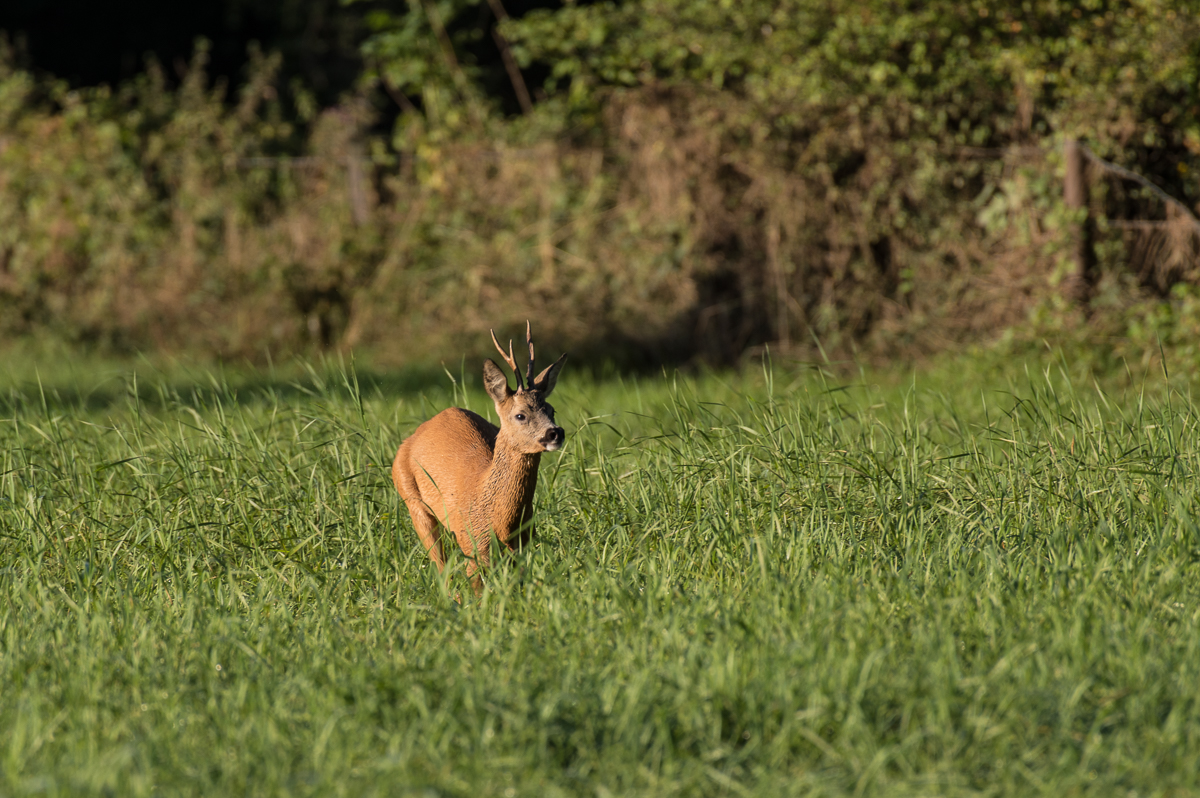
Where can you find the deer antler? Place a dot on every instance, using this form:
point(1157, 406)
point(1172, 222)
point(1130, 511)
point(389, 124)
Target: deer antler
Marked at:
point(529, 368)
point(508, 358)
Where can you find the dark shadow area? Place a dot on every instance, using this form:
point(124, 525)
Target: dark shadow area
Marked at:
point(88, 43)
point(248, 387)
point(248, 384)
point(203, 385)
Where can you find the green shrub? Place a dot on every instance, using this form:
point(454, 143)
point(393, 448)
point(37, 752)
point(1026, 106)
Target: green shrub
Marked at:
point(696, 179)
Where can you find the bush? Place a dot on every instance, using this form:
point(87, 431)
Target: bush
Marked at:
point(695, 180)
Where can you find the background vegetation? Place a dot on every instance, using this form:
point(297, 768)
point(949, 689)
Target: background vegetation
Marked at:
point(655, 179)
point(792, 586)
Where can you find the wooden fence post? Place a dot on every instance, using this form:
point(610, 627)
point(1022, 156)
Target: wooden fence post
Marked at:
point(1075, 196)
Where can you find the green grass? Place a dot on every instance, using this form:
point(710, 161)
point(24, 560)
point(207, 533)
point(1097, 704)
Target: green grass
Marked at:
point(974, 581)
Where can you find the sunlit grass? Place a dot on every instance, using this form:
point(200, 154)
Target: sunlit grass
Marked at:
point(775, 583)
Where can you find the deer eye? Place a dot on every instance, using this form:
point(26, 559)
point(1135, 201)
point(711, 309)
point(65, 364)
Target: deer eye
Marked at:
point(520, 417)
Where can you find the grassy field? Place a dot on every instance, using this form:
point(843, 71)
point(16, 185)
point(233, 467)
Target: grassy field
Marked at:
point(979, 580)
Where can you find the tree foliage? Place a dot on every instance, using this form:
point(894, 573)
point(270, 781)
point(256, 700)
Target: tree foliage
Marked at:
point(693, 178)
point(1122, 73)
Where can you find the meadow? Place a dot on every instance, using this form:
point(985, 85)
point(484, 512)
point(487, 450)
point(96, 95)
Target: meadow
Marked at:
point(981, 578)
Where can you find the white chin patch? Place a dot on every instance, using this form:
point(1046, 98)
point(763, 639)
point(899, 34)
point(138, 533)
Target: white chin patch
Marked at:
point(553, 446)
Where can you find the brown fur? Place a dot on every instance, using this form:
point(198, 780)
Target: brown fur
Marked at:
point(460, 472)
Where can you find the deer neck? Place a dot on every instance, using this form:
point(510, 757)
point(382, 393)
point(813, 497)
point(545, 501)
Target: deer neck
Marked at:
point(508, 485)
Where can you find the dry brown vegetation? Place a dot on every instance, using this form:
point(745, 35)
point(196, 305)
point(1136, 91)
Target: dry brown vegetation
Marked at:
point(683, 226)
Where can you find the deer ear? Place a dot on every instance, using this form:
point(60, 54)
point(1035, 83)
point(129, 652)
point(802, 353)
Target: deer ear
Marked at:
point(495, 382)
point(544, 382)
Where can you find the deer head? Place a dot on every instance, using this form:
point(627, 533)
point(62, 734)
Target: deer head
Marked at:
point(526, 418)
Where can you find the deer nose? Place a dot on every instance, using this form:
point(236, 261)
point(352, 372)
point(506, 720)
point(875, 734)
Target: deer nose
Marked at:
point(554, 435)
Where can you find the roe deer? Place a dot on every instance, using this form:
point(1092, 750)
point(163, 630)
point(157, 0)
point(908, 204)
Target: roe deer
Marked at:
point(458, 472)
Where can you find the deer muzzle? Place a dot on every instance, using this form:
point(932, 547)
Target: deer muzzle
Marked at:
point(553, 438)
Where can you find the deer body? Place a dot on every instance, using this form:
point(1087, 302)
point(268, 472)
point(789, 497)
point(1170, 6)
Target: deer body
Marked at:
point(448, 470)
point(461, 473)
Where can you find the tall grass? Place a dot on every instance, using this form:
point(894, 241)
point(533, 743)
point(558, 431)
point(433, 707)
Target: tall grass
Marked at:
point(768, 584)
